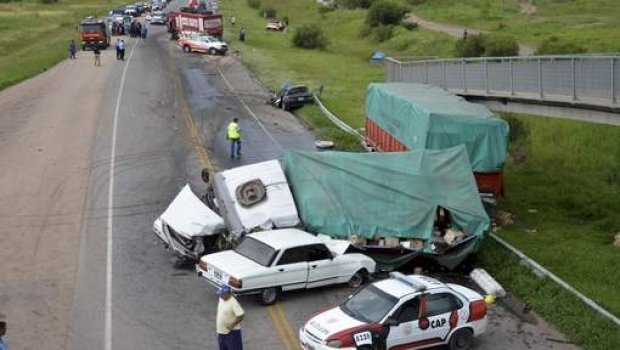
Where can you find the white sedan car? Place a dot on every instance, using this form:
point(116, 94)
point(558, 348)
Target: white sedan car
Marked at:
point(403, 312)
point(266, 263)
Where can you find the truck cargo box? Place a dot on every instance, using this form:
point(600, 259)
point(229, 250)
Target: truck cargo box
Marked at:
point(407, 116)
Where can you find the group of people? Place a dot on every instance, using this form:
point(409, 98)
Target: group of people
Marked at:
point(136, 29)
point(120, 49)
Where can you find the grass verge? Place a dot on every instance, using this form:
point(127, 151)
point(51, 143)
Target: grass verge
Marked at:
point(591, 24)
point(35, 37)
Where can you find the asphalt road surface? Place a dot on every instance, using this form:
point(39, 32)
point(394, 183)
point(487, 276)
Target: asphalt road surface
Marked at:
point(92, 155)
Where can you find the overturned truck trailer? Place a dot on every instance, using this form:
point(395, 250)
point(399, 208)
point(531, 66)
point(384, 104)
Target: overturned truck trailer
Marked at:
point(408, 116)
point(387, 197)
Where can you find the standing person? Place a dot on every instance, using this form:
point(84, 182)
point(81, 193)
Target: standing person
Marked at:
point(3, 345)
point(234, 135)
point(242, 34)
point(97, 55)
point(118, 49)
point(228, 320)
point(464, 34)
point(233, 20)
point(72, 50)
point(121, 48)
point(143, 32)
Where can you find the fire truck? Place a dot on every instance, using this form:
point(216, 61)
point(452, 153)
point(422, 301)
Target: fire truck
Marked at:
point(189, 19)
point(94, 33)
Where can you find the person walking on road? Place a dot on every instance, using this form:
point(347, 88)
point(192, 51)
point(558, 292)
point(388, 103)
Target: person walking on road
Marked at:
point(228, 321)
point(118, 49)
point(3, 345)
point(72, 50)
point(233, 134)
point(121, 48)
point(143, 32)
point(97, 56)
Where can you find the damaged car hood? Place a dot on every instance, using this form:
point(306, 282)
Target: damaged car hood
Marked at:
point(190, 217)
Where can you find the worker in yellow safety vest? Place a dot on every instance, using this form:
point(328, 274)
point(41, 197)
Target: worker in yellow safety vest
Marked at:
point(234, 135)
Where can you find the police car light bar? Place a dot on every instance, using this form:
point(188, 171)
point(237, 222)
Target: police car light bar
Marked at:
point(407, 280)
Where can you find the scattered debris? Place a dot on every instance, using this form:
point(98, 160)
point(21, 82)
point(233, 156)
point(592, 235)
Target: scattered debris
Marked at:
point(532, 211)
point(487, 283)
point(322, 144)
point(503, 218)
point(617, 240)
point(531, 230)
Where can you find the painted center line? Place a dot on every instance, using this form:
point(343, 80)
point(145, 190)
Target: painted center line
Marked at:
point(109, 245)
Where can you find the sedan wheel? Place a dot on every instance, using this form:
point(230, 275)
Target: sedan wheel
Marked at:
point(212, 51)
point(461, 340)
point(186, 48)
point(269, 296)
point(357, 279)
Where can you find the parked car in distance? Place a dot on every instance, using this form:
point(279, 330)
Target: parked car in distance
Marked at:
point(269, 262)
point(132, 10)
point(159, 17)
point(292, 96)
point(193, 42)
point(409, 312)
point(275, 26)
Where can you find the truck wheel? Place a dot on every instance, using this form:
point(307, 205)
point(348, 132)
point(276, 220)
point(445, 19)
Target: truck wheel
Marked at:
point(357, 279)
point(187, 49)
point(461, 339)
point(212, 51)
point(269, 296)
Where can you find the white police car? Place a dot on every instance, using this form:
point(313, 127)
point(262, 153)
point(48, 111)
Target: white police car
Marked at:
point(403, 312)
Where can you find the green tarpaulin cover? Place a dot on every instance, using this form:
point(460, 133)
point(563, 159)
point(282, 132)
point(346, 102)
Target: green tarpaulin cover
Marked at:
point(386, 194)
point(428, 117)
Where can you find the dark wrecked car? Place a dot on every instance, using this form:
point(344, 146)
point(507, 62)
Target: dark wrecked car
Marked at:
point(292, 96)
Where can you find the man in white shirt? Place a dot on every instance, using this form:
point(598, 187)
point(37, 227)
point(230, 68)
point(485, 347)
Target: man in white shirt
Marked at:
point(228, 322)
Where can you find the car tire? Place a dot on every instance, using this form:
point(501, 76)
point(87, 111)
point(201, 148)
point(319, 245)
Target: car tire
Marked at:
point(269, 296)
point(212, 51)
point(461, 339)
point(187, 49)
point(357, 279)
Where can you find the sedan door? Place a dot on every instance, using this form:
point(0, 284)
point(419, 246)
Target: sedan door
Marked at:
point(323, 269)
point(291, 270)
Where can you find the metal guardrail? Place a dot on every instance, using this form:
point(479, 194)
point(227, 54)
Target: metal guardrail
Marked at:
point(582, 80)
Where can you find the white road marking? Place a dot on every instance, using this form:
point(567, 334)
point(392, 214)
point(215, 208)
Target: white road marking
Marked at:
point(250, 111)
point(109, 246)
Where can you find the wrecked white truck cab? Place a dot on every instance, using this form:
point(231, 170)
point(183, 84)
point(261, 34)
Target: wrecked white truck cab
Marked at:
point(253, 198)
point(242, 200)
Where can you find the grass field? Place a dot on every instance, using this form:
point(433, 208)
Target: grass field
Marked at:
point(592, 24)
point(570, 176)
point(34, 37)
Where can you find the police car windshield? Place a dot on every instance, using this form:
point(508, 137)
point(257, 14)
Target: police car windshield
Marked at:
point(371, 304)
point(256, 251)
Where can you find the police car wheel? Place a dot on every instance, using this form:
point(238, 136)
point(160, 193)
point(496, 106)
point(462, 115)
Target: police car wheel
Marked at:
point(357, 279)
point(268, 296)
point(461, 340)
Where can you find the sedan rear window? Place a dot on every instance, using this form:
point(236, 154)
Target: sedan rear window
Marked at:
point(298, 90)
point(256, 251)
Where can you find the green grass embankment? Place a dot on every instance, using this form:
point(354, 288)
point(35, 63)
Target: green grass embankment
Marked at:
point(591, 24)
point(35, 37)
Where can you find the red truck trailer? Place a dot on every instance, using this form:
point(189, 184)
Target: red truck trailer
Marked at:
point(403, 116)
point(200, 21)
